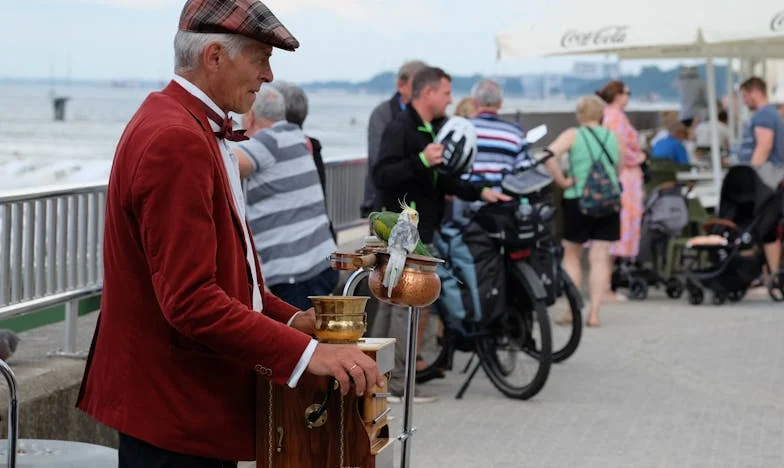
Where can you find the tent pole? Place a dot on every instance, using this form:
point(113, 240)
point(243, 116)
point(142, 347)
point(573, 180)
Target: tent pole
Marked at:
point(743, 113)
point(731, 102)
point(714, 125)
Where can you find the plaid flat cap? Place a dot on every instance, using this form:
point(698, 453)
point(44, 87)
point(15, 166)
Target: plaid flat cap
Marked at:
point(249, 18)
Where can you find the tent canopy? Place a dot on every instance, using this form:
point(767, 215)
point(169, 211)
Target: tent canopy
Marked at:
point(660, 29)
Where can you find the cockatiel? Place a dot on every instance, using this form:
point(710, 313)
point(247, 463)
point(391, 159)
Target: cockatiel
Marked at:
point(381, 224)
point(403, 240)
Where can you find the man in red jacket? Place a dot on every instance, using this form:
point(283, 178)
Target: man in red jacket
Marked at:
point(186, 324)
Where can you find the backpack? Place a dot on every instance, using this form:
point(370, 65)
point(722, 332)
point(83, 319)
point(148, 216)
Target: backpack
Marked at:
point(600, 196)
point(472, 274)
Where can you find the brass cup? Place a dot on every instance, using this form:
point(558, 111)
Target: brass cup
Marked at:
point(340, 319)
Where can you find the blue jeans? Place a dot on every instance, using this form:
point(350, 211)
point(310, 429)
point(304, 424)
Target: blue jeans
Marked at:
point(297, 294)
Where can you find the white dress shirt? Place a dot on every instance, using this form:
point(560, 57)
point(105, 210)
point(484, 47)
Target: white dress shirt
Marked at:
point(233, 172)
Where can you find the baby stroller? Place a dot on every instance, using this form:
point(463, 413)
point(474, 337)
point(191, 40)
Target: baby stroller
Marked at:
point(731, 245)
point(666, 215)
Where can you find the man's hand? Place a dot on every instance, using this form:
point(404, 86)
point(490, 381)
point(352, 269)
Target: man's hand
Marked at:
point(305, 321)
point(491, 196)
point(434, 154)
point(344, 361)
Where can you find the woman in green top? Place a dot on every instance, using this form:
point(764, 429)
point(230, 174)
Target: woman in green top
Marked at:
point(585, 144)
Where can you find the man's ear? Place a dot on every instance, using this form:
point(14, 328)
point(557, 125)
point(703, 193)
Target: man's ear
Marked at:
point(212, 56)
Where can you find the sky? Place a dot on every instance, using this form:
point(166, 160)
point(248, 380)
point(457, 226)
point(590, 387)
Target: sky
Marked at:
point(340, 39)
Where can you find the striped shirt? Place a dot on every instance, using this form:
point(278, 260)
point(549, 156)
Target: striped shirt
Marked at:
point(286, 209)
point(500, 147)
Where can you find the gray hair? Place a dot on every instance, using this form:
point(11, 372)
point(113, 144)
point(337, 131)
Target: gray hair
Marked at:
point(296, 101)
point(487, 93)
point(409, 69)
point(269, 104)
point(188, 47)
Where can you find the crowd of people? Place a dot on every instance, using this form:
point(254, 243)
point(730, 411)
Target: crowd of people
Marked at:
point(402, 154)
point(687, 142)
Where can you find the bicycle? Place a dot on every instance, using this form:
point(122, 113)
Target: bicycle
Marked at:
point(532, 261)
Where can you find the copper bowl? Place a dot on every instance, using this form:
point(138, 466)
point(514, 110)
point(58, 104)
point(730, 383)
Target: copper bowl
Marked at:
point(419, 285)
point(340, 319)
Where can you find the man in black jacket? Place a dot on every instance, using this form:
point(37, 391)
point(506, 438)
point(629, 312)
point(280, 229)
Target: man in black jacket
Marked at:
point(379, 119)
point(408, 163)
point(408, 169)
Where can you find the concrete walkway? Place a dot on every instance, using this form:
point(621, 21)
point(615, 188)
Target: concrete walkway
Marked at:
point(661, 384)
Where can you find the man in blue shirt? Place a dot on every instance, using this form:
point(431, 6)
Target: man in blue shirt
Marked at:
point(671, 147)
point(763, 141)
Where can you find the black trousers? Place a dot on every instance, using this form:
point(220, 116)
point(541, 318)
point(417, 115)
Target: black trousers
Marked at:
point(135, 453)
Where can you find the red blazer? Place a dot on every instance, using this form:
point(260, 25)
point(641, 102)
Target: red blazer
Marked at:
point(177, 347)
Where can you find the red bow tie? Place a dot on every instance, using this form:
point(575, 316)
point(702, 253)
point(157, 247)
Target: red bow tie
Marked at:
point(226, 126)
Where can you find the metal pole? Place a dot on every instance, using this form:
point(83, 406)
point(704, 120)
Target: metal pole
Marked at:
point(731, 104)
point(712, 110)
point(13, 413)
point(71, 317)
point(408, 396)
point(353, 281)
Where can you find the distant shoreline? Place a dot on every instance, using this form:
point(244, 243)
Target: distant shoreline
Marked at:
point(652, 84)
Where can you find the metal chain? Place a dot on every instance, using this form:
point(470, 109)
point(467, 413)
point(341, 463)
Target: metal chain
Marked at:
point(342, 429)
point(270, 426)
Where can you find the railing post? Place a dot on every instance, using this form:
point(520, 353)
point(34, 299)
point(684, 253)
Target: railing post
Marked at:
point(71, 325)
point(71, 316)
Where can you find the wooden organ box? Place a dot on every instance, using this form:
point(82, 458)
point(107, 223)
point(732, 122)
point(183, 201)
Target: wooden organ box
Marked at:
point(352, 432)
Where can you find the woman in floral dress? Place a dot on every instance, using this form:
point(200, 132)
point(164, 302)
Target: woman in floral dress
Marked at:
point(616, 95)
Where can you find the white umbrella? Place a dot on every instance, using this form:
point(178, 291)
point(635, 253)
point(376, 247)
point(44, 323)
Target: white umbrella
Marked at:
point(656, 29)
point(663, 28)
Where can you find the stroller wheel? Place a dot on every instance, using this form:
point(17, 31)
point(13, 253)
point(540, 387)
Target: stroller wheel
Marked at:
point(696, 296)
point(737, 295)
point(674, 288)
point(638, 289)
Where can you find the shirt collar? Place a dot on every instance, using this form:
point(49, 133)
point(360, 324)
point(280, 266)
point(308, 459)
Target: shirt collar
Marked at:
point(400, 101)
point(201, 96)
point(487, 113)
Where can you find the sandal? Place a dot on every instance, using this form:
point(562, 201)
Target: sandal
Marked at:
point(564, 321)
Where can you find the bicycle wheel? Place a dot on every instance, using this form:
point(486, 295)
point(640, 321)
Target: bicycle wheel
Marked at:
point(566, 338)
point(517, 357)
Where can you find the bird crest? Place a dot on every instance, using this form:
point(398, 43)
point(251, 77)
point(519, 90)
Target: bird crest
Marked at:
point(409, 212)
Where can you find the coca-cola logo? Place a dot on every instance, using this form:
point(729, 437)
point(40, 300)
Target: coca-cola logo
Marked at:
point(777, 23)
point(608, 35)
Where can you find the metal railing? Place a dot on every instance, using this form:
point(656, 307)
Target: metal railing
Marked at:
point(345, 180)
point(50, 251)
point(51, 242)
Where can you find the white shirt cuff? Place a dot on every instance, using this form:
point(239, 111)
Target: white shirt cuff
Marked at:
point(291, 320)
point(302, 364)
